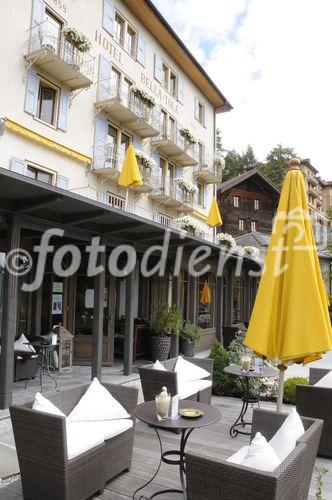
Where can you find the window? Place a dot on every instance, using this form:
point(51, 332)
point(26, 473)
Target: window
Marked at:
point(163, 123)
point(119, 27)
point(200, 193)
point(206, 308)
point(241, 224)
point(200, 153)
point(199, 111)
point(47, 99)
point(256, 204)
point(254, 225)
point(115, 80)
point(39, 175)
point(165, 76)
point(238, 301)
point(131, 41)
point(126, 84)
point(51, 30)
point(172, 84)
point(172, 128)
point(236, 201)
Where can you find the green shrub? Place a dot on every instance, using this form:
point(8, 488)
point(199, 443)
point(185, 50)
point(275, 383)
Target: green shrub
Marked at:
point(290, 389)
point(222, 384)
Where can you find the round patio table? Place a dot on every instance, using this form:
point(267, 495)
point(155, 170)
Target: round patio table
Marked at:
point(146, 412)
point(247, 398)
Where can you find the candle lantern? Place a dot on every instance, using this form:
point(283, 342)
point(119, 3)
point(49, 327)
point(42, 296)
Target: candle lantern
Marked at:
point(66, 341)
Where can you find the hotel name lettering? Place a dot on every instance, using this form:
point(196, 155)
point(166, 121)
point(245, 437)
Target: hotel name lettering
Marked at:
point(147, 82)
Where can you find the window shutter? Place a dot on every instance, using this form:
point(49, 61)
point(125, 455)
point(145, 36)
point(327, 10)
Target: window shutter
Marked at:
point(104, 79)
point(180, 91)
point(108, 17)
point(37, 17)
point(141, 50)
point(178, 172)
point(103, 197)
point(158, 68)
point(101, 129)
point(62, 182)
point(31, 92)
point(63, 110)
point(196, 108)
point(18, 166)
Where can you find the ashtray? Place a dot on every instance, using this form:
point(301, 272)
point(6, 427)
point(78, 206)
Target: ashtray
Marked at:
point(190, 413)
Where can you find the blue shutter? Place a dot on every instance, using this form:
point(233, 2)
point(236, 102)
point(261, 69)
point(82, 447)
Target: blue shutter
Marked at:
point(18, 166)
point(141, 51)
point(37, 17)
point(104, 79)
point(62, 182)
point(108, 17)
point(196, 112)
point(101, 130)
point(180, 91)
point(63, 110)
point(31, 92)
point(158, 68)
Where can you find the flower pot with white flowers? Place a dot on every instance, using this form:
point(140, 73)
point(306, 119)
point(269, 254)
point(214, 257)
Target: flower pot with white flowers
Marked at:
point(251, 251)
point(188, 225)
point(226, 240)
point(74, 36)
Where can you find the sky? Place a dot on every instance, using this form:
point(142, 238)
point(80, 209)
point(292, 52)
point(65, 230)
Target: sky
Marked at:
point(272, 59)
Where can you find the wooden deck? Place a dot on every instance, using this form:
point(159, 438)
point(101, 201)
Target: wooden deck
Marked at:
point(213, 441)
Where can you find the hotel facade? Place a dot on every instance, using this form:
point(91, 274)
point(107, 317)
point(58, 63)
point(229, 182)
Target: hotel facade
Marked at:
point(68, 116)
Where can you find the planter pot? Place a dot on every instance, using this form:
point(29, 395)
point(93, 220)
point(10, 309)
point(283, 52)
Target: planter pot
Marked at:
point(224, 246)
point(159, 348)
point(187, 348)
point(190, 230)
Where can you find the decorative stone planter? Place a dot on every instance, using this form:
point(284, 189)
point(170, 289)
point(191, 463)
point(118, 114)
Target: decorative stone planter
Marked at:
point(187, 348)
point(159, 348)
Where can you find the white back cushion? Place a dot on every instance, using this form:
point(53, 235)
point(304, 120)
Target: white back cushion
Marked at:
point(97, 404)
point(187, 389)
point(159, 366)
point(326, 381)
point(21, 345)
point(46, 406)
point(187, 371)
point(284, 440)
point(261, 455)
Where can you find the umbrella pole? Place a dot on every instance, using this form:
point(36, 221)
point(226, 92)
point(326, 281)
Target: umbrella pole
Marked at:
point(282, 369)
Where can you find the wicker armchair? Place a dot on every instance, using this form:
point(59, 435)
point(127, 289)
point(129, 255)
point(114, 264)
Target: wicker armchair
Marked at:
point(219, 479)
point(316, 402)
point(153, 380)
point(41, 446)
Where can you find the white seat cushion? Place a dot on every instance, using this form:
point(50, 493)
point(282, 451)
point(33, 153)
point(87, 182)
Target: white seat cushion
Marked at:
point(187, 371)
point(108, 428)
point(97, 404)
point(260, 455)
point(158, 366)
point(284, 440)
point(237, 457)
point(82, 437)
point(325, 381)
point(46, 406)
point(187, 389)
point(21, 345)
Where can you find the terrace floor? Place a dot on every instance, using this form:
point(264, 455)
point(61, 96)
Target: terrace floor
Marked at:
point(213, 441)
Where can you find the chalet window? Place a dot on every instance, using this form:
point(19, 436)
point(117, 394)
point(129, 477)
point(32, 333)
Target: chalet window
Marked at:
point(236, 201)
point(256, 204)
point(241, 224)
point(254, 225)
point(39, 175)
point(47, 101)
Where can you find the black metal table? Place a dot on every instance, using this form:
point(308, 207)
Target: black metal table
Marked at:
point(44, 362)
point(146, 412)
point(247, 397)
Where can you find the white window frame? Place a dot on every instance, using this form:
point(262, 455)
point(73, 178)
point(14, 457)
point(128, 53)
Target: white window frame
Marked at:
point(43, 169)
point(126, 26)
point(236, 201)
point(256, 204)
point(47, 83)
point(241, 224)
point(253, 225)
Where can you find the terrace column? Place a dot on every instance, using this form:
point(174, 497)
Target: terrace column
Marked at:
point(192, 316)
point(9, 318)
point(175, 302)
point(219, 308)
point(98, 318)
point(129, 323)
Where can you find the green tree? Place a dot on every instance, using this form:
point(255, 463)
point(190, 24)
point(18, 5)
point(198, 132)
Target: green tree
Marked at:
point(233, 165)
point(276, 164)
point(219, 147)
point(249, 159)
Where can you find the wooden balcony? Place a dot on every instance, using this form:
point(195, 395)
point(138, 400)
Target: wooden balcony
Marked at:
point(208, 171)
point(128, 109)
point(175, 147)
point(51, 52)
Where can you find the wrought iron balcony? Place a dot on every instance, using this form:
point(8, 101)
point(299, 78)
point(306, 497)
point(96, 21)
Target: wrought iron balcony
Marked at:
point(49, 50)
point(146, 176)
point(172, 143)
point(128, 108)
point(168, 192)
point(208, 171)
point(108, 160)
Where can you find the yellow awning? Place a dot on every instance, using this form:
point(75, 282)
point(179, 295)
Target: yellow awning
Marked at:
point(290, 320)
point(205, 294)
point(130, 175)
point(214, 217)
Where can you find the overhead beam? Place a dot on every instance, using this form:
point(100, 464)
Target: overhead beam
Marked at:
point(120, 227)
point(83, 217)
point(30, 205)
point(150, 236)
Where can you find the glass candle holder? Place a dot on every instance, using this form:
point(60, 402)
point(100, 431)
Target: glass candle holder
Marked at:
point(163, 403)
point(246, 361)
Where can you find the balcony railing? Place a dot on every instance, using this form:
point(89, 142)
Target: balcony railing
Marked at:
point(50, 50)
point(172, 143)
point(168, 192)
point(208, 170)
point(128, 108)
point(108, 160)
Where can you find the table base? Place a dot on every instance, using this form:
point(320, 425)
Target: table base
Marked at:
point(240, 423)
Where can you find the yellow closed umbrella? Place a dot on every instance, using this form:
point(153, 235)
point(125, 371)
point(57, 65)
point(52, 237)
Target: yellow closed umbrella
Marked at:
point(206, 294)
point(214, 218)
point(130, 175)
point(290, 319)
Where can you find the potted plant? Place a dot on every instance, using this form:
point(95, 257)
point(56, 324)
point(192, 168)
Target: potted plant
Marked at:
point(145, 96)
point(77, 39)
point(189, 336)
point(187, 224)
point(166, 321)
point(251, 251)
point(226, 240)
point(145, 161)
point(188, 136)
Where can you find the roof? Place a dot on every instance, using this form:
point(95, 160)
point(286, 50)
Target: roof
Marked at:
point(225, 186)
point(307, 163)
point(157, 25)
point(254, 238)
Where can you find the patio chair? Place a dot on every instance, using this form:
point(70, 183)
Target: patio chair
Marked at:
point(316, 402)
point(41, 447)
point(153, 380)
point(218, 479)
